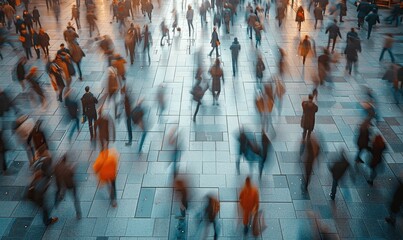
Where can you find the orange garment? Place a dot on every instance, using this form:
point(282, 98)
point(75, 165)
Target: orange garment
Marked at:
point(249, 200)
point(105, 165)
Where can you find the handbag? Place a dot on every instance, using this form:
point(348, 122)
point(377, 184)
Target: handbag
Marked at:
point(217, 43)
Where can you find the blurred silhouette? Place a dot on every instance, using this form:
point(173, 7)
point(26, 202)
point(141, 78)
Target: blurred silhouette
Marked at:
point(300, 17)
point(363, 139)
point(248, 149)
point(55, 74)
point(88, 102)
point(38, 138)
point(235, 49)
point(266, 149)
point(395, 205)
point(217, 74)
point(137, 115)
point(304, 48)
point(106, 129)
point(309, 109)
point(173, 140)
point(338, 170)
point(310, 155)
point(210, 214)
point(180, 185)
point(260, 67)
point(333, 31)
point(19, 72)
point(32, 80)
point(161, 98)
point(378, 147)
point(279, 94)
point(215, 42)
point(105, 167)
point(23, 128)
point(64, 174)
point(72, 110)
point(249, 201)
point(3, 150)
point(387, 46)
point(128, 109)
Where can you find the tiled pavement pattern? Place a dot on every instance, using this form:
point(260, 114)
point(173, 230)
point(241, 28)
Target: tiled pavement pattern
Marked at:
point(147, 205)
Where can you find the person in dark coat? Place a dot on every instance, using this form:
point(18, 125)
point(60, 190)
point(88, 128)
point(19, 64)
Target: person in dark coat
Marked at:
point(317, 12)
point(260, 67)
point(338, 169)
point(351, 51)
point(309, 109)
point(304, 48)
point(333, 31)
point(56, 72)
point(26, 41)
point(35, 42)
point(91, 19)
point(363, 139)
point(64, 175)
point(147, 40)
point(198, 92)
point(210, 215)
point(372, 19)
point(77, 55)
point(36, 17)
point(128, 111)
point(281, 9)
point(235, 48)
point(106, 129)
point(217, 74)
point(20, 71)
point(323, 65)
point(378, 147)
point(215, 42)
point(311, 153)
point(19, 25)
point(44, 40)
point(27, 20)
point(72, 110)
point(300, 17)
point(3, 151)
point(247, 149)
point(352, 36)
point(266, 147)
point(342, 7)
point(363, 9)
point(88, 102)
point(395, 205)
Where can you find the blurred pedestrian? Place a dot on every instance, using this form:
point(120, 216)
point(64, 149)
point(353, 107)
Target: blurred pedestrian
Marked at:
point(55, 72)
point(189, 18)
point(210, 215)
point(372, 19)
point(128, 110)
point(26, 41)
point(70, 35)
point(266, 148)
point(148, 8)
point(235, 49)
point(217, 74)
point(252, 18)
point(91, 19)
point(309, 109)
point(260, 67)
point(281, 10)
point(147, 40)
point(56, 11)
point(304, 48)
point(395, 205)
point(77, 55)
point(173, 141)
point(324, 66)
point(36, 17)
point(175, 22)
point(106, 129)
point(9, 12)
point(106, 166)
point(181, 186)
point(279, 94)
point(215, 42)
point(44, 40)
point(88, 102)
point(20, 71)
point(317, 12)
point(351, 52)
point(64, 175)
point(75, 14)
point(3, 150)
point(227, 19)
point(387, 46)
point(258, 33)
point(130, 43)
point(247, 149)
point(310, 156)
point(198, 92)
point(27, 20)
point(72, 110)
point(33, 81)
point(338, 170)
point(333, 31)
point(138, 119)
point(119, 64)
point(300, 17)
point(363, 139)
point(161, 98)
point(23, 128)
point(249, 201)
point(378, 147)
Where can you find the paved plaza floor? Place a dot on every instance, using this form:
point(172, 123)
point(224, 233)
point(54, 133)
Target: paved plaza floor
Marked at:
point(147, 204)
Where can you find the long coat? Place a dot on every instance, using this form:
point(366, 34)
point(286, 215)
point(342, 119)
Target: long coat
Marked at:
point(308, 117)
point(43, 39)
point(300, 16)
point(216, 73)
point(214, 39)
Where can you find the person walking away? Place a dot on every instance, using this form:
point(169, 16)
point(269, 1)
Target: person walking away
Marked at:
point(252, 18)
point(36, 17)
point(309, 109)
point(149, 9)
point(9, 12)
point(198, 92)
point(75, 14)
point(266, 147)
point(304, 48)
point(338, 169)
point(189, 18)
point(333, 31)
point(215, 42)
point(258, 33)
point(217, 74)
point(44, 41)
point(91, 19)
point(324, 66)
point(300, 17)
point(311, 153)
point(56, 73)
point(35, 42)
point(363, 139)
point(105, 167)
point(387, 46)
point(147, 40)
point(395, 205)
point(372, 19)
point(88, 102)
point(26, 41)
point(318, 13)
point(378, 147)
point(351, 51)
point(129, 8)
point(138, 119)
point(260, 67)
point(77, 55)
point(106, 129)
point(342, 7)
point(27, 20)
point(235, 48)
point(249, 201)
point(128, 111)
point(72, 110)
point(210, 215)
point(64, 175)
point(119, 63)
point(227, 19)
point(363, 9)
point(20, 72)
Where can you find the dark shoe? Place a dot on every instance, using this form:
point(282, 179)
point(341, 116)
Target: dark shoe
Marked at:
point(114, 203)
point(78, 216)
point(390, 220)
point(128, 143)
point(370, 182)
point(332, 196)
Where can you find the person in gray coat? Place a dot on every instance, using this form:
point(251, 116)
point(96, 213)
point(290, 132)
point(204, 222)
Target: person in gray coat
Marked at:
point(333, 31)
point(235, 48)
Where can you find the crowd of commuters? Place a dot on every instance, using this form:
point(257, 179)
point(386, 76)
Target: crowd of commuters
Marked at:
point(61, 69)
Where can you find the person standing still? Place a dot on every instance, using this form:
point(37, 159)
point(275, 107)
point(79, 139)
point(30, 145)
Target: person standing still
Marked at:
point(308, 117)
point(189, 18)
point(235, 48)
point(387, 46)
point(88, 102)
point(249, 201)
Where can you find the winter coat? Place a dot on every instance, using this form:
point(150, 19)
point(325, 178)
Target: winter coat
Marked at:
point(119, 64)
point(9, 11)
point(308, 116)
point(235, 48)
point(304, 47)
point(351, 53)
point(43, 39)
point(214, 39)
point(27, 43)
point(88, 102)
point(333, 31)
point(363, 136)
point(318, 12)
point(216, 73)
point(76, 52)
point(35, 14)
point(372, 19)
point(64, 174)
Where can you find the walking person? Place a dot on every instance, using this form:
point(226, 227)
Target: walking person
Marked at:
point(333, 31)
point(91, 19)
point(304, 48)
point(72, 110)
point(215, 42)
point(387, 46)
point(318, 13)
point(258, 33)
point(147, 40)
point(20, 71)
point(88, 102)
point(9, 12)
point(189, 18)
point(149, 9)
point(252, 18)
point(266, 148)
point(300, 17)
point(210, 215)
point(363, 139)
point(351, 52)
point(32, 80)
point(260, 67)
point(64, 174)
point(198, 92)
point(26, 41)
point(309, 109)
point(128, 110)
point(106, 166)
point(106, 129)
point(55, 72)
point(338, 169)
point(138, 119)
point(44, 41)
point(372, 19)
point(77, 55)
point(217, 74)
point(75, 14)
point(3, 150)
point(235, 49)
point(27, 20)
point(249, 201)
point(378, 147)
point(311, 154)
point(36, 17)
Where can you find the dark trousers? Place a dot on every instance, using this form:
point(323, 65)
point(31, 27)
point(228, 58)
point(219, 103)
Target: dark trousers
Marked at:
point(113, 190)
point(143, 137)
point(38, 52)
point(3, 161)
point(197, 110)
point(216, 51)
point(369, 30)
point(349, 65)
point(9, 23)
point(234, 65)
point(92, 120)
point(334, 188)
point(360, 22)
point(75, 125)
point(60, 195)
point(149, 15)
point(28, 52)
point(216, 95)
point(79, 69)
point(190, 25)
point(48, 4)
point(303, 59)
point(37, 22)
point(334, 43)
point(390, 53)
point(129, 128)
point(45, 50)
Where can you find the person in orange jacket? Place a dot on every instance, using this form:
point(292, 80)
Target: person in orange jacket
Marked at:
point(249, 200)
point(105, 167)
